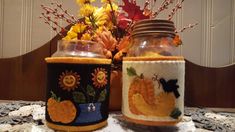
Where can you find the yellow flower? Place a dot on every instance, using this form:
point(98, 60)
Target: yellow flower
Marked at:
point(81, 2)
point(108, 8)
point(87, 10)
point(106, 1)
point(86, 36)
point(79, 28)
point(74, 30)
point(99, 17)
point(111, 19)
point(110, 25)
point(67, 38)
point(71, 35)
point(100, 29)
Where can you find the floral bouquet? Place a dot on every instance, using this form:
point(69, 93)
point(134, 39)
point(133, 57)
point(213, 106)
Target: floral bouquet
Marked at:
point(110, 25)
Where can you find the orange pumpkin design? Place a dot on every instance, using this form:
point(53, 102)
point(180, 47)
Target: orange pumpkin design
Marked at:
point(145, 87)
point(143, 101)
point(63, 111)
point(164, 104)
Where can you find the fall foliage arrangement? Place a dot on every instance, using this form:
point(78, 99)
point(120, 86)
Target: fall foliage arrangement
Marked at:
point(111, 24)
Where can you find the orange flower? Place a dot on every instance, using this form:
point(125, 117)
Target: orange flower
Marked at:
point(124, 43)
point(177, 41)
point(106, 39)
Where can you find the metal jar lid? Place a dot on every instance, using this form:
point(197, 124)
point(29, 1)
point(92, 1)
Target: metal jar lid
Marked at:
point(161, 28)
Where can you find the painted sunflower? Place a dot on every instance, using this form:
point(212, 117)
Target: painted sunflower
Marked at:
point(69, 80)
point(99, 77)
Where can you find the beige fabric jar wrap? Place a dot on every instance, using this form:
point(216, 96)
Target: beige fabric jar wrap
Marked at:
point(153, 78)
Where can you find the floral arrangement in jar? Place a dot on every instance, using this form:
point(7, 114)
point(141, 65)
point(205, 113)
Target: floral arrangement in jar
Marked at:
point(110, 25)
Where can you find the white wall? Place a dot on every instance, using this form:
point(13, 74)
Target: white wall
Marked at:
point(211, 43)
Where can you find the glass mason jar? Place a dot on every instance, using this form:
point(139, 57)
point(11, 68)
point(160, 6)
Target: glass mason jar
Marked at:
point(79, 48)
point(152, 38)
point(77, 86)
point(153, 78)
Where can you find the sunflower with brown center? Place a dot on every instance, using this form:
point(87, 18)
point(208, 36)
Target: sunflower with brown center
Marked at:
point(69, 80)
point(99, 77)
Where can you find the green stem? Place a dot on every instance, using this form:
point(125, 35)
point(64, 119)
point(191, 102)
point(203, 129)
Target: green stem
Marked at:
point(87, 96)
point(114, 20)
point(53, 95)
point(92, 20)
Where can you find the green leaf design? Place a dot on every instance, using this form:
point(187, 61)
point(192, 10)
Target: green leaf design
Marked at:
point(79, 97)
point(102, 95)
point(131, 71)
point(176, 113)
point(53, 95)
point(90, 91)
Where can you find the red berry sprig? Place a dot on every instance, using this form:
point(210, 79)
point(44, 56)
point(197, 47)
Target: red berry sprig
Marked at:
point(186, 27)
point(163, 6)
point(175, 9)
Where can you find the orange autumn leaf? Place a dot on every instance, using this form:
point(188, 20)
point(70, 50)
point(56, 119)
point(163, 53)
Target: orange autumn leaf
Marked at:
point(124, 43)
point(177, 41)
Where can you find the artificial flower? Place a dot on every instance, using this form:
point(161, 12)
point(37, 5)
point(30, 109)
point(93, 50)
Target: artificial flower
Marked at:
point(81, 2)
point(75, 31)
point(98, 18)
point(122, 48)
point(124, 43)
point(177, 41)
point(108, 7)
point(106, 39)
point(68, 38)
point(100, 29)
point(108, 25)
point(86, 36)
point(87, 10)
point(71, 35)
point(105, 1)
point(123, 21)
point(79, 28)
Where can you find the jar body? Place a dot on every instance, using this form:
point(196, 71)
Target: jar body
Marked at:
point(151, 45)
point(77, 87)
point(153, 78)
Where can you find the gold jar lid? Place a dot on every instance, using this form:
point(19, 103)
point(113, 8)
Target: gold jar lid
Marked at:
point(161, 28)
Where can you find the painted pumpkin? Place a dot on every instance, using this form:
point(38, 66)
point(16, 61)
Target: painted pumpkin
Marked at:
point(165, 103)
point(143, 86)
point(163, 106)
point(64, 111)
point(143, 101)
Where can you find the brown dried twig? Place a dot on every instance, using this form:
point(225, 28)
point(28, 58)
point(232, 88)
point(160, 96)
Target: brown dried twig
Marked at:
point(147, 11)
point(72, 18)
point(186, 27)
point(163, 6)
point(48, 21)
point(175, 9)
point(57, 15)
point(52, 15)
